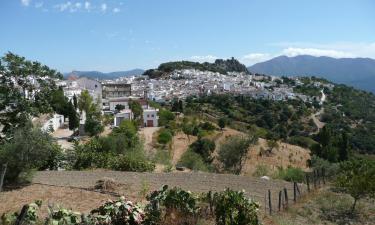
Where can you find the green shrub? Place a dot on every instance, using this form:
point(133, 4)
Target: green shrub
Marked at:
point(207, 126)
point(232, 207)
point(304, 142)
point(29, 149)
point(205, 148)
point(165, 136)
point(291, 174)
point(193, 161)
point(132, 163)
point(171, 205)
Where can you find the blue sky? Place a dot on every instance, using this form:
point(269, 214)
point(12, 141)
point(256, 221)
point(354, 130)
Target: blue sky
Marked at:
point(126, 34)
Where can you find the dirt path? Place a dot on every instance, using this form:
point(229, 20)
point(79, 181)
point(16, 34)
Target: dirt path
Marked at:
point(180, 145)
point(62, 135)
point(147, 134)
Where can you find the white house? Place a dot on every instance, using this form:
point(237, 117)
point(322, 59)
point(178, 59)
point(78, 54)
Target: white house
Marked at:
point(48, 122)
point(125, 114)
point(150, 117)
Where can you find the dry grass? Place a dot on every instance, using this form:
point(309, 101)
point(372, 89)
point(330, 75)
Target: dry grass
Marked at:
point(74, 198)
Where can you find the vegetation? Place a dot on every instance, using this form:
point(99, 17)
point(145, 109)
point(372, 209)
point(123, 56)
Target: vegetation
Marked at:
point(121, 150)
point(165, 136)
point(357, 178)
point(232, 207)
point(20, 99)
point(233, 152)
point(220, 65)
point(172, 206)
point(29, 149)
point(193, 161)
point(291, 174)
point(204, 147)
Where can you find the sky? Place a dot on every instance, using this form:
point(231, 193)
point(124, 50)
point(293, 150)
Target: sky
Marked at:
point(117, 35)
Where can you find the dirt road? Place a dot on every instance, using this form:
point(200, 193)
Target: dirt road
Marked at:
point(147, 134)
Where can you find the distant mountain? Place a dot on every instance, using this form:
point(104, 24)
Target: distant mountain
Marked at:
point(356, 72)
point(220, 65)
point(104, 76)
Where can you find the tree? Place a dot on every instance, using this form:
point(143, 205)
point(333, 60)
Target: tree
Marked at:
point(93, 126)
point(165, 116)
point(222, 122)
point(85, 101)
point(59, 102)
point(233, 151)
point(30, 148)
point(137, 110)
point(272, 144)
point(25, 90)
point(73, 117)
point(75, 101)
point(188, 129)
point(357, 178)
point(344, 147)
point(205, 148)
point(119, 107)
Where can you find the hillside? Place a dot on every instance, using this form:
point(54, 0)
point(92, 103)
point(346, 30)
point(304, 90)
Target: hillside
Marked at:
point(103, 76)
point(356, 72)
point(220, 66)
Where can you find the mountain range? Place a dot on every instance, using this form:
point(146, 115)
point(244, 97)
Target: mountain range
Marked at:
point(105, 76)
point(356, 72)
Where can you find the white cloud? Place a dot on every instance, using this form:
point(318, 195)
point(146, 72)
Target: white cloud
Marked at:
point(116, 10)
point(87, 5)
point(291, 52)
point(253, 58)
point(205, 58)
point(25, 2)
point(78, 5)
point(64, 6)
point(103, 7)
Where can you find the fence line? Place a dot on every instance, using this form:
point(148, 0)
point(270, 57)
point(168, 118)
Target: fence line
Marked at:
point(318, 179)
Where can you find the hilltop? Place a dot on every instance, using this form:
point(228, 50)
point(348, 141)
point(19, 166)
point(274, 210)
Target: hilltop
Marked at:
point(220, 65)
point(356, 72)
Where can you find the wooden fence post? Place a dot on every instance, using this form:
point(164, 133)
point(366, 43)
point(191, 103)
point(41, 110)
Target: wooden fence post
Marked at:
point(2, 176)
point(308, 182)
point(22, 215)
point(294, 192)
point(270, 201)
point(298, 191)
point(280, 197)
point(286, 196)
point(314, 178)
point(324, 176)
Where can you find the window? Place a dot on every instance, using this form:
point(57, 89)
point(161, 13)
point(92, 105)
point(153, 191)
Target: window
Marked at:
point(152, 115)
point(148, 115)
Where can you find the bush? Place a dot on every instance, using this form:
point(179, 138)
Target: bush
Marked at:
point(30, 149)
point(232, 207)
point(207, 126)
point(205, 148)
point(233, 151)
point(304, 142)
point(171, 206)
point(193, 161)
point(132, 163)
point(165, 136)
point(165, 116)
point(291, 174)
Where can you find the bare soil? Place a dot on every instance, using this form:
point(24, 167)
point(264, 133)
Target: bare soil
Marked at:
point(180, 144)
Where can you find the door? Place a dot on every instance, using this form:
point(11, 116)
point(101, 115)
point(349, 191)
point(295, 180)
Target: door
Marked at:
point(150, 123)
